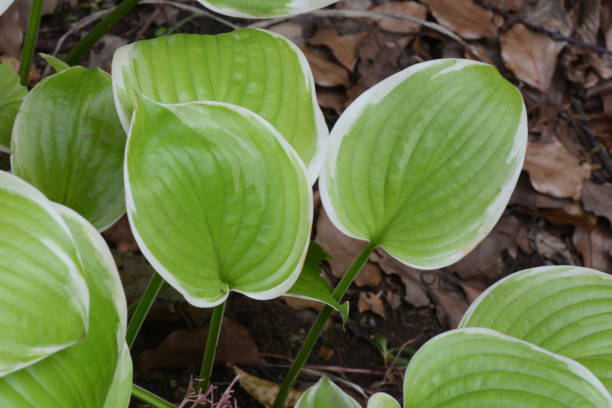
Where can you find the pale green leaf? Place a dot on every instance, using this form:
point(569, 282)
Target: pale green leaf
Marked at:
point(326, 394)
point(255, 69)
point(264, 8)
point(83, 375)
point(424, 163)
point(69, 144)
point(564, 309)
point(44, 301)
point(57, 64)
point(217, 200)
point(477, 368)
point(11, 96)
point(382, 400)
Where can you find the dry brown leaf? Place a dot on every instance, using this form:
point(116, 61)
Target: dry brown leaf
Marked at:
point(597, 198)
point(555, 171)
point(344, 47)
point(343, 251)
point(290, 30)
point(416, 293)
point(13, 24)
point(369, 301)
point(465, 17)
point(595, 246)
point(326, 353)
point(354, 4)
point(332, 98)
point(510, 5)
point(264, 391)
point(326, 73)
point(408, 8)
point(552, 247)
point(450, 299)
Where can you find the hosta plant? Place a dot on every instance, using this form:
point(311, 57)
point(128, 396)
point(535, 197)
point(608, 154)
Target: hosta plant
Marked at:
point(551, 347)
point(264, 8)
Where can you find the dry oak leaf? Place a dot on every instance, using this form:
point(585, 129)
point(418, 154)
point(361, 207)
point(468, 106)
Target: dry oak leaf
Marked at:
point(465, 17)
point(408, 8)
point(325, 72)
point(555, 171)
point(344, 47)
point(597, 198)
point(532, 57)
point(369, 301)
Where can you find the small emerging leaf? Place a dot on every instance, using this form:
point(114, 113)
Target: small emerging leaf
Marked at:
point(564, 309)
point(326, 394)
point(424, 163)
point(264, 8)
point(57, 64)
point(69, 144)
point(382, 400)
point(11, 96)
point(217, 200)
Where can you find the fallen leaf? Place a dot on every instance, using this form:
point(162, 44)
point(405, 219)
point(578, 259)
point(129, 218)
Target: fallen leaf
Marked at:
point(344, 47)
point(369, 301)
point(393, 299)
point(597, 198)
point(532, 57)
point(555, 171)
point(595, 246)
point(450, 299)
point(552, 247)
point(264, 391)
point(326, 353)
point(290, 30)
point(121, 235)
point(408, 8)
point(510, 5)
point(184, 348)
point(332, 98)
point(465, 17)
point(354, 4)
point(325, 72)
point(344, 250)
point(13, 24)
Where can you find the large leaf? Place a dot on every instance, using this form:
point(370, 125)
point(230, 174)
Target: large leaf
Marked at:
point(326, 394)
point(564, 309)
point(424, 163)
point(382, 400)
point(11, 96)
point(69, 144)
point(44, 302)
point(256, 69)
point(96, 373)
point(217, 200)
point(264, 8)
point(477, 368)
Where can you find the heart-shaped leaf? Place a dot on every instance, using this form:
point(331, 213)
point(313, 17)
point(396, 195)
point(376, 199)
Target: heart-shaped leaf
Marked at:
point(11, 96)
point(564, 309)
point(69, 144)
point(96, 373)
point(424, 163)
point(382, 400)
point(264, 8)
point(255, 69)
point(217, 200)
point(470, 368)
point(326, 394)
point(44, 302)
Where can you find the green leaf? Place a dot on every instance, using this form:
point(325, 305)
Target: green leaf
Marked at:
point(326, 394)
point(57, 64)
point(69, 144)
point(474, 368)
point(255, 69)
point(11, 96)
point(217, 200)
point(564, 309)
point(311, 285)
point(382, 400)
point(264, 8)
point(44, 302)
point(96, 373)
point(424, 163)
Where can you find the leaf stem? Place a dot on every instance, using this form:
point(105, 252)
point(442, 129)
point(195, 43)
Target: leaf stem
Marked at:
point(99, 30)
point(27, 53)
point(143, 307)
point(150, 398)
point(214, 331)
point(317, 327)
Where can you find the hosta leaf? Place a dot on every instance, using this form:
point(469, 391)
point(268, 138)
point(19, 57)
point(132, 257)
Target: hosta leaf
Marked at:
point(96, 373)
point(424, 163)
point(69, 144)
point(382, 400)
point(326, 394)
point(255, 69)
point(57, 64)
point(44, 301)
point(564, 309)
point(217, 200)
point(264, 8)
point(476, 368)
point(11, 96)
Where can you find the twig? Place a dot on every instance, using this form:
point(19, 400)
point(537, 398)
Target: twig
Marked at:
point(377, 15)
point(557, 36)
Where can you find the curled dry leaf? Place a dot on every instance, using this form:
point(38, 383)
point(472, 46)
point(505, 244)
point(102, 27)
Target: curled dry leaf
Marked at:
point(369, 301)
point(344, 47)
point(532, 57)
point(408, 8)
point(595, 246)
point(325, 72)
point(550, 246)
point(555, 171)
point(597, 198)
point(465, 17)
